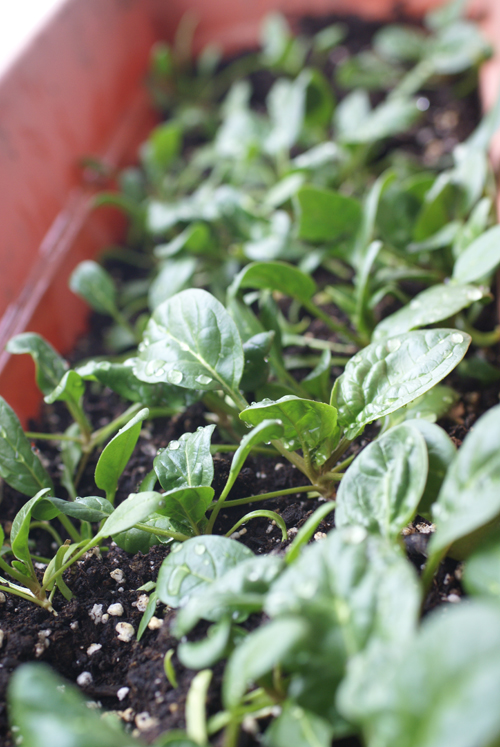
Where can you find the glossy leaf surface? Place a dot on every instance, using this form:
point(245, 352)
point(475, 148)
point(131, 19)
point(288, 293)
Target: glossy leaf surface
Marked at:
point(186, 462)
point(308, 425)
point(480, 258)
point(116, 454)
point(278, 276)
point(325, 215)
point(385, 376)
point(383, 486)
point(50, 367)
point(91, 281)
point(191, 341)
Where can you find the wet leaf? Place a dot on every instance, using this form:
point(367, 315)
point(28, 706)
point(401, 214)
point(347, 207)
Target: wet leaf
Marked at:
point(49, 366)
point(186, 462)
point(116, 454)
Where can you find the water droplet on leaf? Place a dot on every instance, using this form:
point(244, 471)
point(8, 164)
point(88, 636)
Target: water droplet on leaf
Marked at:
point(203, 380)
point(393, 345)
point(174, 377)
point(457, 338)
point(177, 577)
point(173, 445)
point(199, 549)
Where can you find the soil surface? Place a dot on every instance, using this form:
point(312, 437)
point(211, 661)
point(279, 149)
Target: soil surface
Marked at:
point(83, 642)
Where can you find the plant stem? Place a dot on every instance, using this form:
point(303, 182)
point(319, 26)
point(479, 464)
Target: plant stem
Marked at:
point(306, 531)
point(224, 448)
point(162, 532)
point(52, 437)
point(48, 528)
point(265, 496)
point(331, 323)
point(70, 528)
point(99, 436)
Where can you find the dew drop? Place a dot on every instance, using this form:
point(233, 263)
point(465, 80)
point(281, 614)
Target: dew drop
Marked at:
point(161, 504)
point(199, 549)
point(203, 380)
point(173, 445)
point(184, 346)
point(393, 345)
point(153, 367)
point(160, 372)
point(415, 304)
point(174, 377)
point(457, 338)
point(3, 432)
point(141, 347)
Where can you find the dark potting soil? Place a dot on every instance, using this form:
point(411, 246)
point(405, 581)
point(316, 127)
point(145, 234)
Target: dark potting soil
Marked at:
point(126, 675)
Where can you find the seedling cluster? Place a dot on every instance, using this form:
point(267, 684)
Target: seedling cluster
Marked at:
point(234, 239)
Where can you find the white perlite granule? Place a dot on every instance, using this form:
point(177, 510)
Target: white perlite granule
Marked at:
point(125, 631)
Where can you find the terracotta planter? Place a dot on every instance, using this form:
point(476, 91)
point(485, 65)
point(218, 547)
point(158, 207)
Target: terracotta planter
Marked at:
point(77, 90)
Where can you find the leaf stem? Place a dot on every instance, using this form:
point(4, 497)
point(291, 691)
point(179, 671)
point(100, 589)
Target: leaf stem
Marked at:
point(306, 531)
point(162, 532)
point(331, 323)
point(52, 437)
point(265, 496)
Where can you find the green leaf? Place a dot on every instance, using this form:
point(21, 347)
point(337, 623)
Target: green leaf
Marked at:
point(398, 42)
point(90, 281)
point(310, 426)
point(432, 305)
point(121, 379)
point(240, 589)
point(385, 376)
point(458, 47)
point(187, 506)
point(115, 455)
point(481, 576)
point(258, 654)
point(134, 509)
point(299, 727)
point(186, 462)
point(383, 486)
point(470, 496)
point(430, 406)
point(441, 452)
point(162, 147)
point(195, 238)
point(174, 276)
point(136, 540)
point(286, 105)
point(387, 119)
point(317, 382)
point(256, 351)
point(70, 389)
point(207, 652)
point(480, 258)
point(192, 342)
point(441, 690)
point(19, 465)
point(194, 564)
point(276, 276)
point(49, 366)
point(325, 215)
point(49, 711)
point(92, 508)
point(21, 528)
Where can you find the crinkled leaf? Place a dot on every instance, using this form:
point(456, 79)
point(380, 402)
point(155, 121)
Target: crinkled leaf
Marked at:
point(433, 305)
point(191, 341)
point(19, 465)
point(325, 215)
point(91, 281)
point(308, 425)
point(480, 258)
point(196, 563)
point(49, 366)
point(276, 276)
point(385, 376)
point(115, 455)
point(470, 496)
point(383, 486)
point(186, 462)
point(430, 406)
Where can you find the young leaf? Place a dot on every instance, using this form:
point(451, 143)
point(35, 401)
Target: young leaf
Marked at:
point(265, 431)
point(482, 571)
point(441, 452)
point(191, 341)
point(259, 653)
point(310, 426)
point(442, 690)
point(387, 119)
point(432, 305)
point(470, 496)
point(385, 376)
point(431, 406)
point(196, 563)
point(276, 276)
point(186, 462)
point(92, 508)
point(49, 711)
point(256, 371)
point(299, 727)
point(19, 465)
point(70, 389)
point(21, 527)
point(116, 453)
point(480, 258)
point(383, 486)
point(325, 215)
point(134, 509)
point(90, 281)
point(49, 366)
point(173, 277)
point(317, 382)
point(187, 506)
